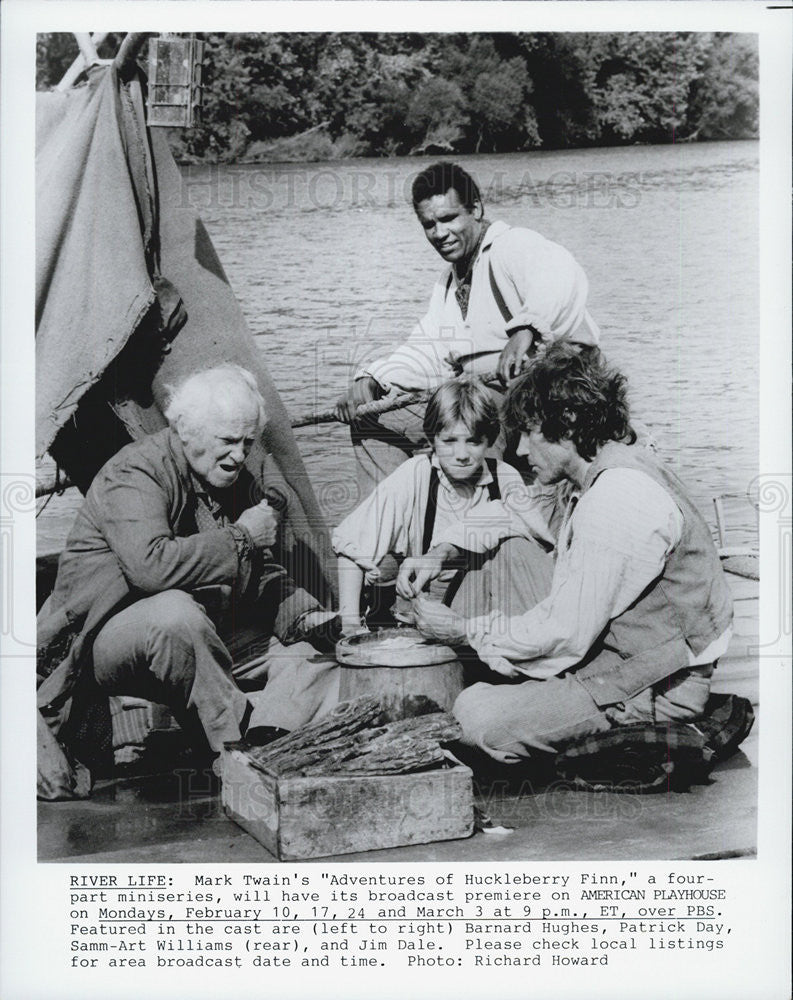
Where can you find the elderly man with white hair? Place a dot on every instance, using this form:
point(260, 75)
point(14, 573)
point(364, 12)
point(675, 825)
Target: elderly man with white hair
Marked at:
point(169, 523)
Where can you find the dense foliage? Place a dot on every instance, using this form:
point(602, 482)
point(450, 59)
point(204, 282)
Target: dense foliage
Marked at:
point(316, 96)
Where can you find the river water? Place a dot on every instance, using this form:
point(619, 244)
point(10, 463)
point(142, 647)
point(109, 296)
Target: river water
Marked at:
point(331, 269)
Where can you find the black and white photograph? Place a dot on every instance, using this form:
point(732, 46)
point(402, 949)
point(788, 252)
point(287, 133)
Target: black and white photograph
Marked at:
point(400, 408)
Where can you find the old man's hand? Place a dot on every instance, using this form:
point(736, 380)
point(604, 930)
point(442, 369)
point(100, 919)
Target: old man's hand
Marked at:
point(435, 621)
point(261, 522)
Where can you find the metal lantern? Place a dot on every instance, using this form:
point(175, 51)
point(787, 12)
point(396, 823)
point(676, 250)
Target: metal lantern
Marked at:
point(175, 88)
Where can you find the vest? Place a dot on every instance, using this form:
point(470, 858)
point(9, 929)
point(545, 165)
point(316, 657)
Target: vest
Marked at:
point(687, 607)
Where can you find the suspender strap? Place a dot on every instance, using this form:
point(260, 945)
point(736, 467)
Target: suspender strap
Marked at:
point(493, 489)
point(493, 493)
point(503, 308)
point(429, 513)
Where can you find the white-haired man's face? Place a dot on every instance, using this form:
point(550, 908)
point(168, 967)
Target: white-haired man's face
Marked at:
point(217, 443)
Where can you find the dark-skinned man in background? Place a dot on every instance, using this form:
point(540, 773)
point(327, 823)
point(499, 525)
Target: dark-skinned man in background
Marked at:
point(506, 294)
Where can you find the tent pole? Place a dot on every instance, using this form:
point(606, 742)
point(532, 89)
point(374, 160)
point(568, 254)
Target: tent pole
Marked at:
point(130, 48)
point(87, 48)
point(45, 477)
point(80, 63)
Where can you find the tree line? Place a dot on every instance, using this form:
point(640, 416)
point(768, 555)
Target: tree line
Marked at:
point(322, 96)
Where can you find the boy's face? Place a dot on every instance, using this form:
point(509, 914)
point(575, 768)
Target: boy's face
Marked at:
point(460, 454)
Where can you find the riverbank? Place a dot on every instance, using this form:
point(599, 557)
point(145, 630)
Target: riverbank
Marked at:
point(317, 147)
point(466, 92)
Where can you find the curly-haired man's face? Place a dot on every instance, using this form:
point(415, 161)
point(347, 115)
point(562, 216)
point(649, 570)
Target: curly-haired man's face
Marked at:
point(552, 461)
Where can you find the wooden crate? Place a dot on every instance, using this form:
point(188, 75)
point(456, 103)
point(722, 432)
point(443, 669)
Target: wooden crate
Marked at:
point(298, 818)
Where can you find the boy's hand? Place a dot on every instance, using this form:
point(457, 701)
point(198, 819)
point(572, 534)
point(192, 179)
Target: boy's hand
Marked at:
point(435, 621)
point(370, 569)
point(415, 573)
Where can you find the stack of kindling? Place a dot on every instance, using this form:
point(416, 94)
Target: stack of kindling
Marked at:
point(353, 740)
point(349, 783)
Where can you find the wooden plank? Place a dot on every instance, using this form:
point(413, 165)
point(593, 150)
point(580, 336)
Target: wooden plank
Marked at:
point(321, 816)
point(250, 798)
point(125, 823)
point(741, 563)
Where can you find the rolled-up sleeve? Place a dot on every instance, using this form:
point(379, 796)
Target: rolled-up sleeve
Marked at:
point(381, 523)
point(420, 362)
point(545, 286)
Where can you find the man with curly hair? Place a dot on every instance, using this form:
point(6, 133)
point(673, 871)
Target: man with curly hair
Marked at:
point(638, 611)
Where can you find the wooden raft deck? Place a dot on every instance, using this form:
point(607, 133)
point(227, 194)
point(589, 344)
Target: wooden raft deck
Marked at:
point(177, 817)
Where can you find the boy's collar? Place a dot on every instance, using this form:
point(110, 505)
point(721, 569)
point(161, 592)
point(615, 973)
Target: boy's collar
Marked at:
point(484, 478)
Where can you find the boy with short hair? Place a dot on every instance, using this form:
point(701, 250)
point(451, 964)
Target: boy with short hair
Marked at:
point(415, 504)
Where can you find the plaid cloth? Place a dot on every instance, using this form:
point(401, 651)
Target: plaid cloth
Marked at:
point(651, 757)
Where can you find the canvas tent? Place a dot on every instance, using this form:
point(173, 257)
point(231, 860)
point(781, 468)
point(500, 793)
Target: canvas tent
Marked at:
point(131, 298)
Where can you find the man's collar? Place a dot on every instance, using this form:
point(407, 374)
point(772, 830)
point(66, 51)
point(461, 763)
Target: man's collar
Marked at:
point(200, 488)
point(596, 466)
point(484, 478)
point(485, 228)
point(178, 453)
point(494, 229)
